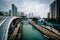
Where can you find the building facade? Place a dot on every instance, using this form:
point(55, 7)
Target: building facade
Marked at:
point(6, 14)
point(14, 10)
point(48, 15)
point(55, 9)
point(52, 10)
point(21, 14)
point(10, 14)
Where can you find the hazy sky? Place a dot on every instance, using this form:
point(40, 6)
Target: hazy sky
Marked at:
point(37, 7)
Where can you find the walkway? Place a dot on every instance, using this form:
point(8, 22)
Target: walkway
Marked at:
point(46, 31)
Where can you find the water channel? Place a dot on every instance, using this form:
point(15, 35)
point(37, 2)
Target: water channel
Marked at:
point(31, 33)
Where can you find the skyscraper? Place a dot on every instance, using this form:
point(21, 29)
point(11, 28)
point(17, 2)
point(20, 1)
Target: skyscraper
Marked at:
point(14, 10)
point(52, 10)
point(57, 8)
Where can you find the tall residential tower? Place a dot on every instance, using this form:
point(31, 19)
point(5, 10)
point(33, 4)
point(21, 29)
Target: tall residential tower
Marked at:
point(14, 10)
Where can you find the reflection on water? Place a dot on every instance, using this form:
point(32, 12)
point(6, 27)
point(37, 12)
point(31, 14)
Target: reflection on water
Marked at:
point(31, 33)
point(33, 28)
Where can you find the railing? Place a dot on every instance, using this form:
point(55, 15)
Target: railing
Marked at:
point(4, 28)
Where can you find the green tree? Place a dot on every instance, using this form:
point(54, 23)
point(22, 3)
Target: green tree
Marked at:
point(35, 19)
point(1, 14)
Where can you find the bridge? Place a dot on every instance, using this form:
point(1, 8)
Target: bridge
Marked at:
point(17, 28)
point(9, 29)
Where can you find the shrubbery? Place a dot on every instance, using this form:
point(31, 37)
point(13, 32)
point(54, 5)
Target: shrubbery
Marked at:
point(35, 19)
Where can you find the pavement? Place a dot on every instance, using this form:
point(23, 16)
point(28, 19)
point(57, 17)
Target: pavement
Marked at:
point(15, 32)
point(46, 31)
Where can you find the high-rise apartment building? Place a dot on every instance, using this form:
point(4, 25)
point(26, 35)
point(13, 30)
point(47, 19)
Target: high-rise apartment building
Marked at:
point(14, 10)
point(55, 9)
point(52, 10)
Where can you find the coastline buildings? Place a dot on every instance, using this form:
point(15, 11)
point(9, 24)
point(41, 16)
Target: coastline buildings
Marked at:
point(48, 15)
point(6, 13)
point(52, 10)
point(58, 8)
point(14, 10)
point(10, 14)
point(2, 13)
point(21, 14)
point(55, 9)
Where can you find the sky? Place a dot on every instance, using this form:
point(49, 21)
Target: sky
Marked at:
point(37, 7)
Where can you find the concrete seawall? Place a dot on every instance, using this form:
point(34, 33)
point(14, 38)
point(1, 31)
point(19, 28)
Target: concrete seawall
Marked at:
point(45, 31)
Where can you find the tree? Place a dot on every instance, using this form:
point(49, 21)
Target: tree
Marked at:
point(35, 19)
point(1, 14)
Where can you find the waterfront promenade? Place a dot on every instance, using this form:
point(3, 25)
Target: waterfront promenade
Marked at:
point(47, 32)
